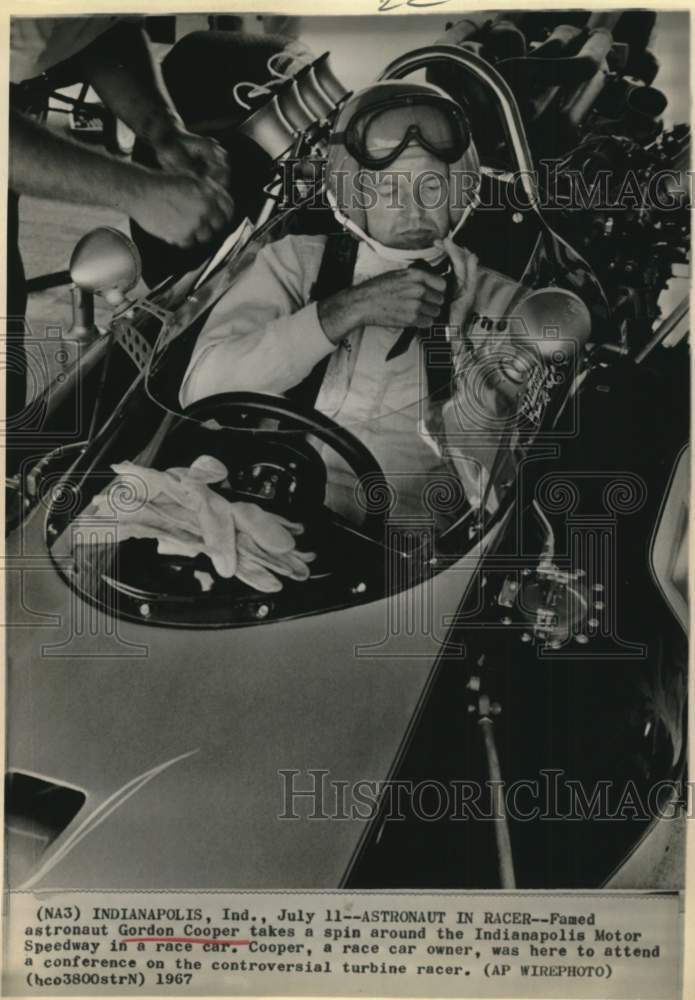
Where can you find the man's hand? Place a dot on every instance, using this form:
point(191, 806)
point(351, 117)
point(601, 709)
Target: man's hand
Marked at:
point(180, 209)
point(127, 78)
point(182, 152)
point(401, 298)
point(465, 265)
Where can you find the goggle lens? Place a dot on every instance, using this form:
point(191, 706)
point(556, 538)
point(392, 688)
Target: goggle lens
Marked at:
point(379, 136)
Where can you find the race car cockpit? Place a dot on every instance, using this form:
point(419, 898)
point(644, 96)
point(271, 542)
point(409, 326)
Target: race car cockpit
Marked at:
point(381, 495)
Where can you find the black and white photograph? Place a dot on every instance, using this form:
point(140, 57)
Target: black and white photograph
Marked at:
point(347, 499)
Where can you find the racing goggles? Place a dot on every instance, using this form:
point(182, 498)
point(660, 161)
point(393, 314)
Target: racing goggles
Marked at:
point(377, 135)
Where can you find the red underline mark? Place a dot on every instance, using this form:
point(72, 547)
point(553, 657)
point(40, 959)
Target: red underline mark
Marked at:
point(186, 940)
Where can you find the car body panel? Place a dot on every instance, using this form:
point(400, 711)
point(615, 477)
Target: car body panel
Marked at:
point(96, 702)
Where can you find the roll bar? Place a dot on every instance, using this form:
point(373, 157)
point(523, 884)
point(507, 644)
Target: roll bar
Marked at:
point(487, 75)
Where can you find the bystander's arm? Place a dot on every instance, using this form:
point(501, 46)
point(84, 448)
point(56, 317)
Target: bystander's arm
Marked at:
point(181, 209)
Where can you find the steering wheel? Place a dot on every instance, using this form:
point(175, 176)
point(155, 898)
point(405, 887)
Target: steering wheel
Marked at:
point(374, 488)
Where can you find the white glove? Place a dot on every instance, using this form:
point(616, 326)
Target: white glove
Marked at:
point(178, 508)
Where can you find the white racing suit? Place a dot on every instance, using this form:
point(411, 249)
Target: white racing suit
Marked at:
point(264, 335)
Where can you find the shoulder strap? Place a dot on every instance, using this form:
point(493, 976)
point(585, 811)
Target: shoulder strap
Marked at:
point(337, 266)
point(335, 274)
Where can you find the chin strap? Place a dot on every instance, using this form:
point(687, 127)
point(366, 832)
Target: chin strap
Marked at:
point(430, 254)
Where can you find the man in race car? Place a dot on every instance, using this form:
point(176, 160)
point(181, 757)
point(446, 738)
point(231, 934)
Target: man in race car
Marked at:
point(333, 321)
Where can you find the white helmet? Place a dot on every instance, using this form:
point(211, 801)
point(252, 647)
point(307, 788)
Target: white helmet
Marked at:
point(373, 129)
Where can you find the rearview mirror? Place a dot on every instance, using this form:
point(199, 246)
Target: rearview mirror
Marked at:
point(106, 262)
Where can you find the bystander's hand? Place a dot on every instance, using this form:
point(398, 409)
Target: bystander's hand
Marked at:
point(182, 152)
point(181, 209)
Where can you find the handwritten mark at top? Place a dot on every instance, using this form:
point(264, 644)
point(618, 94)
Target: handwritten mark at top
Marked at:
point(388, 5)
